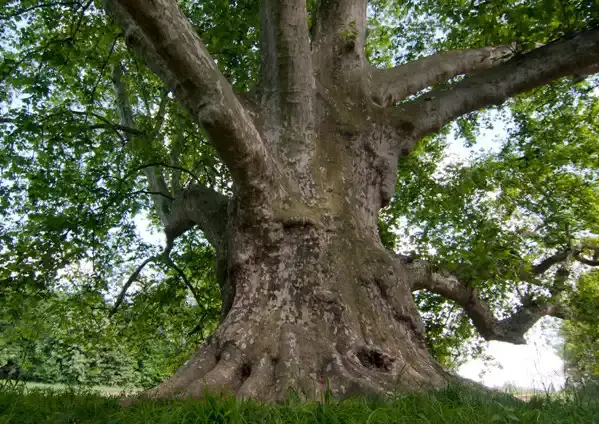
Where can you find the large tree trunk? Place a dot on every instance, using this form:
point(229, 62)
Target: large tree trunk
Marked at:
point(311, 299)
point(317, 305)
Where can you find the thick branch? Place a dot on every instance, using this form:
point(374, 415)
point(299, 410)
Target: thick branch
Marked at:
point(269, 70)
point(201, 206)
point(561, 257)
point(178, 143)
point(159, 117)
point(590, 262)
point(574, 252)
point(512, 329)
point(394, 84)
point(164, 38)
point(548, 262)
point(581, 74)
point(287, 75)
point(433, 110)
point(339, 36)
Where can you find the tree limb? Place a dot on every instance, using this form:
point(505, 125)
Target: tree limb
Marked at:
point(133, 193)
point(574, 252)
point(166, 165)
point(196, 205)
point(512, 329)
point(528, 272)
point(108, 124)
point(159, 117)
point(590, 262)
point(287, 75)
point(339, 37)
point(163, 257)
point(431, 111)
point(121, 297)
point(394, 84)
point(200, 326)
point(201, 206)
point(164, 38)
point(169, 261)
point(581, 74)
point(123, 128)
point(177, 145)
point(548, 262)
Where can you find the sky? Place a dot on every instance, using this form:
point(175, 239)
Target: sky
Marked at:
point(535, 365)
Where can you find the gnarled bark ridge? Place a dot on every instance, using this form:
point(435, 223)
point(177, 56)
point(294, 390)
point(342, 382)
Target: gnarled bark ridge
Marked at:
point(312, 300)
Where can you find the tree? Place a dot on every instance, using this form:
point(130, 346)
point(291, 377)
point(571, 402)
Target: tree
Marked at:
point(71, 336)
point(581, 335)
point(308, 136)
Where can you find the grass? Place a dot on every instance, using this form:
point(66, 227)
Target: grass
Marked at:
point(453, 405)
point(57, 387)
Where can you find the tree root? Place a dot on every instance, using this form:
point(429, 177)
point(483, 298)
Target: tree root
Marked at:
point(230, 370)
point(260, 379)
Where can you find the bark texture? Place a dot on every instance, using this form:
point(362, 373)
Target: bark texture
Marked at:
point(311, 298)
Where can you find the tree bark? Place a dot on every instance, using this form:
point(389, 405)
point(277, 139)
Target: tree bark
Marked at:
point(164, 38)
point(402, 81)
point(312, 300)
point(317, 306)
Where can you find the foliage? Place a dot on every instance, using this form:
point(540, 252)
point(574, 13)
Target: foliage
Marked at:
point(405, 30)
point(581, 335)
point(72, 193)
point(74, 338)
point(455, 404)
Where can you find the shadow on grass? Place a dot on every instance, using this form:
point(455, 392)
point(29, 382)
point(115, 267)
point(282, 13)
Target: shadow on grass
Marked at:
point(455, 404)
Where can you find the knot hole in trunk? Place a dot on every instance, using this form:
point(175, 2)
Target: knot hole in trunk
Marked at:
point(245, 371)
point(374, 359)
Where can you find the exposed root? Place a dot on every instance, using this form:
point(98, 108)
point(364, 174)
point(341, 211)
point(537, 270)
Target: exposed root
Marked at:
point(224, 377)
point(312, 342)
point(260, 381)
point(350, 380)
point(365, 371)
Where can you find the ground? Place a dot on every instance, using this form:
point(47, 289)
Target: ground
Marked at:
point(455, 404)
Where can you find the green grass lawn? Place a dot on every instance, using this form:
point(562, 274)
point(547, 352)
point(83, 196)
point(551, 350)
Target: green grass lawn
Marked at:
point(102, 390)
point(455, 405)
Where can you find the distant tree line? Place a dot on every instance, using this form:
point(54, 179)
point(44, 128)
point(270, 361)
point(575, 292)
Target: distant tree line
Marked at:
point(78, 337)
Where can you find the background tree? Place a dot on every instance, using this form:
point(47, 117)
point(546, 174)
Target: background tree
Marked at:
point(71, 335)
point(283, 146)
point(581, 335)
